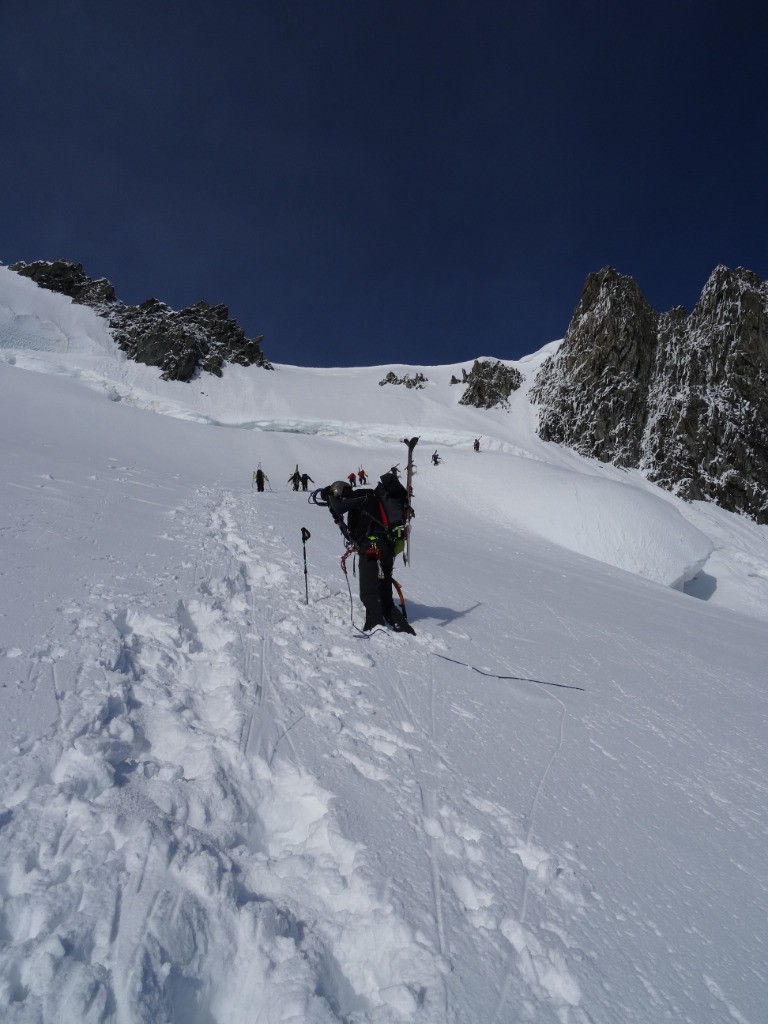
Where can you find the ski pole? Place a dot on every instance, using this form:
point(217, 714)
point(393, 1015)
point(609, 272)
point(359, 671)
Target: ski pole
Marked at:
point(305, 535)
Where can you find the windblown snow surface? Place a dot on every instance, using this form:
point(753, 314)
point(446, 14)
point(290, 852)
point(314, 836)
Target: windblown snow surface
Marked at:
point(221, 804)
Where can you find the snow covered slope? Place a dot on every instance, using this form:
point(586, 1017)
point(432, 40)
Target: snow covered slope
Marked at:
point(220, 803)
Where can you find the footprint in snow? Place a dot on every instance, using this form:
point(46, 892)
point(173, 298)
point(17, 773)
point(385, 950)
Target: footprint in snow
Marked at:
point(543, 969)
point(382, 741)
point(550, 875)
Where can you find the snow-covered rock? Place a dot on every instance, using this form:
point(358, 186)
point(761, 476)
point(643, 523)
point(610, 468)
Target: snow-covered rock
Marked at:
point(181, 343)
point(489, 384)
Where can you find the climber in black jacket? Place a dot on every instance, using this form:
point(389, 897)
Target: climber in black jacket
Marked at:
point(368, 528)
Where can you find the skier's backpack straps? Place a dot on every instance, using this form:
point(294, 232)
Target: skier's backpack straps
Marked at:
point(384, 517)
point(393, 503)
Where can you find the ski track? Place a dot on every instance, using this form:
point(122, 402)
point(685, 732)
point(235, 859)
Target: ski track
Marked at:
point(172, 839)
point(469, 884)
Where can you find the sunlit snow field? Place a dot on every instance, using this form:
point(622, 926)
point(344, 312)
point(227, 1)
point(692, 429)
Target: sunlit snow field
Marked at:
point(220, 803)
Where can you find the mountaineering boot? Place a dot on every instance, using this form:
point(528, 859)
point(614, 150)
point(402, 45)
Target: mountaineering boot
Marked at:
point(399, 623)
point(404, 627)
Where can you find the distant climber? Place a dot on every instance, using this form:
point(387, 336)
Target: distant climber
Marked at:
point(259, 478)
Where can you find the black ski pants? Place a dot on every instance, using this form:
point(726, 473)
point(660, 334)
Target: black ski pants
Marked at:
point(376, 587)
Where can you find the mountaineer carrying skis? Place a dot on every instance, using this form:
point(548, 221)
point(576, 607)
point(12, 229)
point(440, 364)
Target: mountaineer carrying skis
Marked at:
point(377, 539)
point(259, 478)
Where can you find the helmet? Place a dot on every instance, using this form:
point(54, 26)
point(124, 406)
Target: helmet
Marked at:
point(339, 489)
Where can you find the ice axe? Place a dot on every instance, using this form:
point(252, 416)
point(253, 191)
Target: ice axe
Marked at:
point(305, 535)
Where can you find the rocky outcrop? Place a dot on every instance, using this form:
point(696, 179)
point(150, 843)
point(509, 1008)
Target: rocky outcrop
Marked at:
point(684, 398)
point(182, 343)
point(417, 380)
point(489, 384)
point(70, 279)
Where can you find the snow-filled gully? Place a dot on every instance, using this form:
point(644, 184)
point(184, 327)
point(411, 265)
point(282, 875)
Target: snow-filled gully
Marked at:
point(175, 756)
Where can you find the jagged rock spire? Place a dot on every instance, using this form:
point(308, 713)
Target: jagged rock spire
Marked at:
point(683, 398)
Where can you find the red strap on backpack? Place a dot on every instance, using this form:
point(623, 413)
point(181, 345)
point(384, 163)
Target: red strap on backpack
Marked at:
point(384, 520)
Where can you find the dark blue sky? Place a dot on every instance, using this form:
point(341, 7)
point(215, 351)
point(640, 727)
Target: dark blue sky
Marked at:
point(368, 181)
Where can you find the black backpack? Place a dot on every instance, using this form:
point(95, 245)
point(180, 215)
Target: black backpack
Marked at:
point(394, 500)
point(383, 514)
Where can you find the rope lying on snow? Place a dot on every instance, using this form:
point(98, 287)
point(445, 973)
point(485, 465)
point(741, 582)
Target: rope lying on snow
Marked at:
point(519, 679)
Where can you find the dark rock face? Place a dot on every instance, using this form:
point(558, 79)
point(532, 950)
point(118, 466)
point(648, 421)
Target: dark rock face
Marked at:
point(70, 279)
point(604, 362)
point(489, 384)
point(198, 339)
point(182, 343)
point(682, 398)
point(417, 380)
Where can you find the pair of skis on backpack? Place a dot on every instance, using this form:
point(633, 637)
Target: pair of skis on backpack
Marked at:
point(410, 444)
